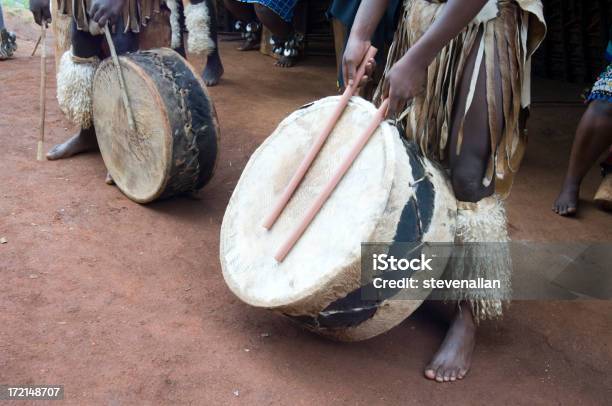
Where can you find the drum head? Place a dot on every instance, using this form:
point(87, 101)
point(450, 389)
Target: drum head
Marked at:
point(332, 242)
point(139, 161)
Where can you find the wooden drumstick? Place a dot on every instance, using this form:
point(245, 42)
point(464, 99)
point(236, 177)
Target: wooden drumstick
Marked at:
point(124, 94)
point(318, 144)
point(333, 182)
point(43, 86)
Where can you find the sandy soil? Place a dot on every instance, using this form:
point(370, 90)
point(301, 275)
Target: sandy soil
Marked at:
point(125, 304)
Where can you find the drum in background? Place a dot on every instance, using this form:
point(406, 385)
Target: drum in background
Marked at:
point(389, 194)
point(174, 147)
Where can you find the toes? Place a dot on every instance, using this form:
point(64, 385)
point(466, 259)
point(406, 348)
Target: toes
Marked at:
point(462, 373)
point(447, 375)
point(440, 375)
point(453, 376)
point(54, 153)
point(430, 372)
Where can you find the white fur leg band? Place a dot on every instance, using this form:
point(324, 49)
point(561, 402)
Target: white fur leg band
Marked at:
point(197, 20)
point(175, 25)
point(482, 253)
point(74, 87)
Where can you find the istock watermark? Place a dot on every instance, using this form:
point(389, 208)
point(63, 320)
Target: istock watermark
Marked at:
point(529, 270)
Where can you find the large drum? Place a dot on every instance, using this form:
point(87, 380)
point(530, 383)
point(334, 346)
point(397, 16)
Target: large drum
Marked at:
point(389, 194)
point(174, 147)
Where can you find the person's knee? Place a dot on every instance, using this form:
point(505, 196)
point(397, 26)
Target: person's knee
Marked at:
point(601, 109)
point(272, 21)
point(598, 117)
point(264, 14)
point(467, 184)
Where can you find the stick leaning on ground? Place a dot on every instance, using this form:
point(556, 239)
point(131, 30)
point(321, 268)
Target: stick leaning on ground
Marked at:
point(43, 86)
point(36, 45)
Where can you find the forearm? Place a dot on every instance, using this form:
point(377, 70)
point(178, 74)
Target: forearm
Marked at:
point(368, 16)
point(456, 15)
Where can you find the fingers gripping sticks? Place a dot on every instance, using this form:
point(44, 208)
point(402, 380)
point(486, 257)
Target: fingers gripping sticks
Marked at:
point(318, 144)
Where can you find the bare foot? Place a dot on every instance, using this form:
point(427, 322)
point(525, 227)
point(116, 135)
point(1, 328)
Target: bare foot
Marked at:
point(454, 357)
point(250, 44)
point(567, 201)
point(214, 69)
point(285, 62)
point(109, 179)
point(84, 140)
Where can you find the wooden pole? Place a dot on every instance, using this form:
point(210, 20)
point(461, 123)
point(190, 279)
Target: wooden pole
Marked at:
point(331, 185)
point(124, 94)
point(318, 144)
point(43, 85)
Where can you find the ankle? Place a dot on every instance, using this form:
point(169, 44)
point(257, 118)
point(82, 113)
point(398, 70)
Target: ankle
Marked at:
point(571, 184)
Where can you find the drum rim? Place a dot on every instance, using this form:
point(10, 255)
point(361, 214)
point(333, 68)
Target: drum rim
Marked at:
point(213, 110)
point(126, 61)
point(306, 295)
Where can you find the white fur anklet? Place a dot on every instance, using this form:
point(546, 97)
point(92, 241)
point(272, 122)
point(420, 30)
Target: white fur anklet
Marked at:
point(482, 252)
point(197, 20)
point(74, 87)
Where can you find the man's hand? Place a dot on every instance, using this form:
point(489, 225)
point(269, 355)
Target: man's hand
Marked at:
point(354, 53)
point(105, 11)
point(41, 11)
point(405, 80)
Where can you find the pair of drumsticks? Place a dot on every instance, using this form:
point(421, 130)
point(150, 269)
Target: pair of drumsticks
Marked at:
point(312, 154)
point(43, 80)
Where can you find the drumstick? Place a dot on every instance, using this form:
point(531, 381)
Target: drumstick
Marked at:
point(318, 144)
point(331, 185)
point(124, 95)
point(43, 85)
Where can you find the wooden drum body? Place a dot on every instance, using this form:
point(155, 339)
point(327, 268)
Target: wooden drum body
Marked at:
point(389, 194)
point(174, 147)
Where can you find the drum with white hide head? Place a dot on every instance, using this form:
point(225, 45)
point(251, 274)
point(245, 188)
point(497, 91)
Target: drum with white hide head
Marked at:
point(389, 194)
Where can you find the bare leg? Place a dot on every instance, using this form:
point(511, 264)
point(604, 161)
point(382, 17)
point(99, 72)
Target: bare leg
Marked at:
point(593, 137)
point(83, 141)
point(85, 45)
point(214, 67)
point(454, 357)
point(246, 13)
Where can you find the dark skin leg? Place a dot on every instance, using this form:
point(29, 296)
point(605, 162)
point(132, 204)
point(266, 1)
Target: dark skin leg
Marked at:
point(453, 359)
point(279, 28)
point(244, 12)
point(593, 138)
point(85, 45)
point(214, 67)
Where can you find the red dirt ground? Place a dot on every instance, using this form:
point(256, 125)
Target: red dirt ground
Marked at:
point(126, 304)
